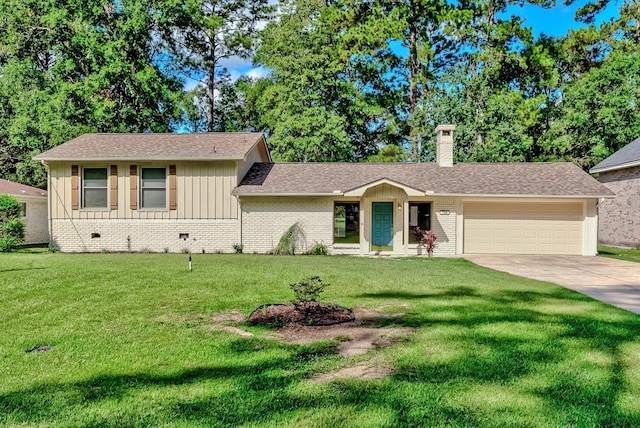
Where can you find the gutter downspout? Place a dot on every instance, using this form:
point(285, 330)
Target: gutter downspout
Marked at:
point(49, 204)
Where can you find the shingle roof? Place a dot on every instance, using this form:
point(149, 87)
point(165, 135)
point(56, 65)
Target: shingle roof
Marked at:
point(11, 188)
point(499, 179)
point(137, 147)
point(626, 157)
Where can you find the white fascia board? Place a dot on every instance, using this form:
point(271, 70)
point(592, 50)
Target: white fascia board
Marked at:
point(615, 167)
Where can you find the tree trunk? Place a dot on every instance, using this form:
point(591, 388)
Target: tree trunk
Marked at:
point(414, 69)
point(211, 83)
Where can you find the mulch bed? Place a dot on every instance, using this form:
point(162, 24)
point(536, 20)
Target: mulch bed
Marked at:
point(301, 313)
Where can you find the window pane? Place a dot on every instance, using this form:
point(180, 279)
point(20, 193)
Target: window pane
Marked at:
point(94, 188)
point(154, 177)
point(346, 226)
point(153, 187)
point(419, 215)
point(95, 198)
point(95, 174)
point(154, 198)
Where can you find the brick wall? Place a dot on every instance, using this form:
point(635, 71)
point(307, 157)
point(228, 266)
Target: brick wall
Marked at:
point(619, 218)
point(444, 226)
point(138, 235)
point(264, 220)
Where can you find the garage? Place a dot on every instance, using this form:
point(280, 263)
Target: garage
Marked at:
point(523, 228)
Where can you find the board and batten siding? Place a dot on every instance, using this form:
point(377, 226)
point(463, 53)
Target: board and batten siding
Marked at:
point(203, 191)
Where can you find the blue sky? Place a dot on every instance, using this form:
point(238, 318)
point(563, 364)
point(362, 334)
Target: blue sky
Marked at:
point(559, 20)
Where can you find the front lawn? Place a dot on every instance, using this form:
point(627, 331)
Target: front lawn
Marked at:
point(134, 345)
point(629, 254)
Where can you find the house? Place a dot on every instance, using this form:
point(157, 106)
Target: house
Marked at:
point(619, 223)
point(208, 192)
point(34, 210)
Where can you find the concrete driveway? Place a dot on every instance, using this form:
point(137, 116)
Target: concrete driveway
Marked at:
point(612, 281)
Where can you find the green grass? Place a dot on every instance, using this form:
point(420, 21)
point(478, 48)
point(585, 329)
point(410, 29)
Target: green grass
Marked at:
point(134, 346)
point(632, 255)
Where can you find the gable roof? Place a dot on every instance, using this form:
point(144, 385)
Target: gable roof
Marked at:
point(17, 189)
point(562, 180)
point(626, 157)
point(141, 147)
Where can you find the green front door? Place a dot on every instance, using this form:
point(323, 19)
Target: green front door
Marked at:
point(382, 226)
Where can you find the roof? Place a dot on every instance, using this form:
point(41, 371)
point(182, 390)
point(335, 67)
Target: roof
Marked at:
point(11, 188)
point(487, 179)
point(139, 147)
point(626, 157)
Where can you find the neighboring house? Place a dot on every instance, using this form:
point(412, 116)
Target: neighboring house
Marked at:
point(207, 192)
point(619, 223)
point(34, 210)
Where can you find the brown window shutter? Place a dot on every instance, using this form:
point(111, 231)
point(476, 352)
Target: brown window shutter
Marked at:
point(172, 187)
point(75, 193)
point(133, 185)
point(113, 187)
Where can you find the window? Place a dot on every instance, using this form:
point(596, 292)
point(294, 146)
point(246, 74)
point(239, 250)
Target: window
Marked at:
point(346, 223)
point(23, 209)
point(94, 188)
point(419, 215)
point(153, 188)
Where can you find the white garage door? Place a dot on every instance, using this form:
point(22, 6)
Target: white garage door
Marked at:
point(523, 228)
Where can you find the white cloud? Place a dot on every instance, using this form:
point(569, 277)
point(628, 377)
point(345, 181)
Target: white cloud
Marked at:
point(257, 73)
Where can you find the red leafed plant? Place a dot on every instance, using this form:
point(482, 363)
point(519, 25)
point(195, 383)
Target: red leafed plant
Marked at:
point(426, 239)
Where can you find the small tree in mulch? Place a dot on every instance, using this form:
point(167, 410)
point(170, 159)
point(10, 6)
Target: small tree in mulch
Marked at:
point(305, 310)
point(309, 289)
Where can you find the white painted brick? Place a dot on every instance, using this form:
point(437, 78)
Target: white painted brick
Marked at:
point(154, 235)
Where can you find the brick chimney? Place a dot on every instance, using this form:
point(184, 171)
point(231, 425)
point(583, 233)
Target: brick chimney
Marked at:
point(444, 145)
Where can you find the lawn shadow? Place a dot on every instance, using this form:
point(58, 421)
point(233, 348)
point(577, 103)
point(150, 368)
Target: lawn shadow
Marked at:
point(401, 294)
point(517, 337)
point(20, 269)
point(468, 343)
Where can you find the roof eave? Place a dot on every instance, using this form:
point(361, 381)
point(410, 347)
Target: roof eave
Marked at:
point(595, 169)
point(27, 196)
point(516, 195)
point(362, 189)
point(286, 194)
point(137, 159)
point(433, 194)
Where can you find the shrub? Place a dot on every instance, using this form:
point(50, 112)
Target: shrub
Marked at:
point(426, 239)
point(238, 248)
point(11, 228)
point(309, 289)
point(319, 249)
point(289, 240)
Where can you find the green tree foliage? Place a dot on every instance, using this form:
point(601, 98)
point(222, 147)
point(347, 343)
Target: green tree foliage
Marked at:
point(75, 67)
point(390, 153)
point(202, 33)
point(303, 102)
point(348, 80)
point(599, 112)
point(11, 228)
point(407, 40)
